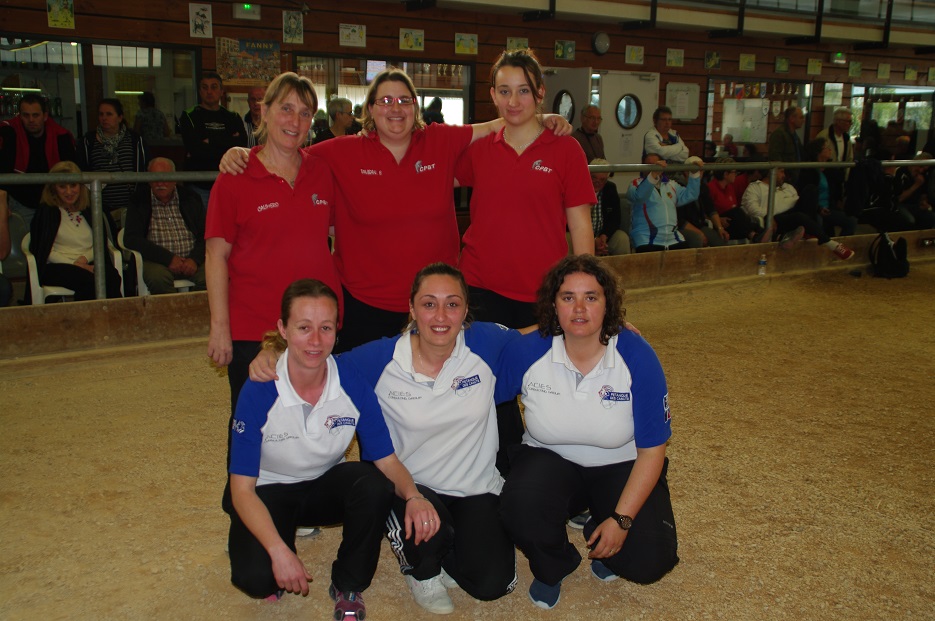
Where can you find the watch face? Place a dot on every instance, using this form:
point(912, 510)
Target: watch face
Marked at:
point(625, 521)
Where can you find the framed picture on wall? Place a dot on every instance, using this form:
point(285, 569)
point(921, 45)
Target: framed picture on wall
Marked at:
point(352, 35)
point(564, 50)
point(782, 64)
point(635, 54)
point(465, 43)
point(814, 66)
point(517, 43)
point(931, 75)
point(912, 73)
point(412, 40)
point(854, 69)
point(883, 71)
point(748, 62)
point(675, 57)
point(712, 60)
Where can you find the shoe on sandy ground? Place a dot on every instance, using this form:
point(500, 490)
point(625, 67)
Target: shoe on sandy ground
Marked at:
point(431, 595)
point(580, 520)
point(600, 571)
point(543, 595)
point(307, 532)
point(348, 605)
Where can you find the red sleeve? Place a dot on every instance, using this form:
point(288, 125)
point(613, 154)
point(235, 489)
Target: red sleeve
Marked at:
point(578, 187)
point(221, 220)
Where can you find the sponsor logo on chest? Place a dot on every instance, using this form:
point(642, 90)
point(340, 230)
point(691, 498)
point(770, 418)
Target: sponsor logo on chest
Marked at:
point(319, 201)
point(265, 206)
point(369, 172)
point(610, 397)
point(334, 423)
point(540, 167)
point(402, 395)
point(463, 386)
point(541, 387)
point(421, 168)
point(279, 437)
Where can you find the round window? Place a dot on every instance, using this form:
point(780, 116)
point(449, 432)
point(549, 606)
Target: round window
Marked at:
point(564, 104)
point(629, 111)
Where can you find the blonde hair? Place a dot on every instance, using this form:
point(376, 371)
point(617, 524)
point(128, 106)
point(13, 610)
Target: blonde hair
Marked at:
point(280, 88)
point(50, 194)
point(390, 74)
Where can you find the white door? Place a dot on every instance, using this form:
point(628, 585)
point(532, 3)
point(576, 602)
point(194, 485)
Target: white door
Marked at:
point(567, 91)
point(636, 94)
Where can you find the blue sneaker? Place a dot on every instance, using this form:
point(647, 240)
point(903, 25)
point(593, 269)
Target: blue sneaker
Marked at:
point(543, 595)
point(580, 520)
point(602, 572)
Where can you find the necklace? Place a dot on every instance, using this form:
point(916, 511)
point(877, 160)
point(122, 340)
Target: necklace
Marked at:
point(276, 170)
point(74, 216)
point(534, 138)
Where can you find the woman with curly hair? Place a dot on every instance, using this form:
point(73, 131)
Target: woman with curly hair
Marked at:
point(597, 422)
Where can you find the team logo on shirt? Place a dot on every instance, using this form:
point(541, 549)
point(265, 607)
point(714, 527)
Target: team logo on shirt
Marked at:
point(371, 172)
point(420, 168)
point(262, 208)
point(239, 426)
point(402, 395)
point(537, 165)
point(541, 387)
point(609, 398)
point(318, 201)
point(464, 385)
point(334, 423)
point(665, 407)
point(280, 437)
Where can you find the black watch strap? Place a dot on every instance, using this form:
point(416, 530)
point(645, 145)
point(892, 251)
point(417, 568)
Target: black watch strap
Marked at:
point(623, 521)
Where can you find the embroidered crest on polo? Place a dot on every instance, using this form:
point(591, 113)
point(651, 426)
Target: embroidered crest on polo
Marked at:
point(238, 426)
point(537, 165)
point(421, 168)
point(609, 397)
point(319, 201)
point(264, 207)
point(332, 423)
point(463, 385)
point(371, 172)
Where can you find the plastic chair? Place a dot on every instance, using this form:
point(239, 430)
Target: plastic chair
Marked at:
point(41, 292)
point(14, 266)
point(181, 284)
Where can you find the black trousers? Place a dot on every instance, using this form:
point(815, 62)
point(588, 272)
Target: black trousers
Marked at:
point(364, 323)
point(354, 494)
point(238, 372)
point(80, 280)
point(471, 544)
point(487, 305)
point(544, 490)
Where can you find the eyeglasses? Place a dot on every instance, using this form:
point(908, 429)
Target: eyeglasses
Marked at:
point(389, 101)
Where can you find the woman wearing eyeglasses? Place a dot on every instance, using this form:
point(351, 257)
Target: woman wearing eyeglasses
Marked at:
point(394, 211)
point(266, 229)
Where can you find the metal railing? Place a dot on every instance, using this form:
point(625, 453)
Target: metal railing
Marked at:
point(96, 181)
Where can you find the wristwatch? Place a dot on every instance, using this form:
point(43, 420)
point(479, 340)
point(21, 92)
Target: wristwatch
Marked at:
point(623, 521)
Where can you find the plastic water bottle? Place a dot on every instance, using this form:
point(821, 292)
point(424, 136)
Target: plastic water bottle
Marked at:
point(761, 266)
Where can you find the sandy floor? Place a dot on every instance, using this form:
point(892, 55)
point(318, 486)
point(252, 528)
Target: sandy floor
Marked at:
point(801, 471)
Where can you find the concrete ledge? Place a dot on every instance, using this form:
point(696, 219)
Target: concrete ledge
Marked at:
point(77, 326)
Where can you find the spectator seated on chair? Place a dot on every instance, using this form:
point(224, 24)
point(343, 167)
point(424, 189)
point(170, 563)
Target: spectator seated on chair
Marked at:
point(725, 196)
point(912, 198)
point(824, 190)
point(700, 223)
point(793, 220)
point(654, 199)
point(605, 215)
point(62, 239)
point(166, 225)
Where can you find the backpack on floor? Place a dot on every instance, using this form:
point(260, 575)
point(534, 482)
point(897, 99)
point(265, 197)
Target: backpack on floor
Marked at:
point(889, 258)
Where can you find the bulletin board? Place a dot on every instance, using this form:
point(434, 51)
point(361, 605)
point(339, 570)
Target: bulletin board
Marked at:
point(685, 100)
point(746, 119)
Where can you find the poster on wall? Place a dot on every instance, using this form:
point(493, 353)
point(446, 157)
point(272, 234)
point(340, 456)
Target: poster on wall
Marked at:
point(854, 68)
point(564, 50)
point(931, 75)
point(465, 43)
point(782, 64)
point(814, 66)
point(352, 35)
point(712, 60)
point(411, 40)
point(247, 62)
point(61, 14)
point(293, 27)
point(748, 62)
point(199, 21)
point(517, 43)
point(635, 54)
point(675, 57)
point(883, 71)
point(912, 73)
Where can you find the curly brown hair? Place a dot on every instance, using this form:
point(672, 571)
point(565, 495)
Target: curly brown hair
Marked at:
point(615, 314)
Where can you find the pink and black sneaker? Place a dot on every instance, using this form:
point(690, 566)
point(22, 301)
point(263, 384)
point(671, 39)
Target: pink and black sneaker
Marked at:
point(347, 604)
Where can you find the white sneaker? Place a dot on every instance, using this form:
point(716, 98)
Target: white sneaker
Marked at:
point(447, 581)
point(307, 532)
point(431, 595)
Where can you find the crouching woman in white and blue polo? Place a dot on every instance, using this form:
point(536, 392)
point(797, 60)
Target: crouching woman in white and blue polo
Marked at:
point(288, 469)
point(435, 383)
point(597, 422)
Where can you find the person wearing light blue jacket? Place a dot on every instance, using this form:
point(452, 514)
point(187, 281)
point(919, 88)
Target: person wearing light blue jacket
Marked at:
point(654, 198)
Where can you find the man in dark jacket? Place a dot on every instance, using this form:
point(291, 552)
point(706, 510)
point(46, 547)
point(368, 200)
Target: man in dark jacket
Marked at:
point(166, 224)
point(609, 239)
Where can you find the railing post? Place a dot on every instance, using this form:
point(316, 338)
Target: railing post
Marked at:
point(99, 243)
point(771, 205)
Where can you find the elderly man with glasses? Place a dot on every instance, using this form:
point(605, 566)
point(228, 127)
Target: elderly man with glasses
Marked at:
point(587, 135)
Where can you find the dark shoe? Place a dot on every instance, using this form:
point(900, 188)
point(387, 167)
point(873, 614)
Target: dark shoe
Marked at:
point(543, 595)
point(787, 241)
point(347, 605)
point(602, 572)
point(580, 520)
